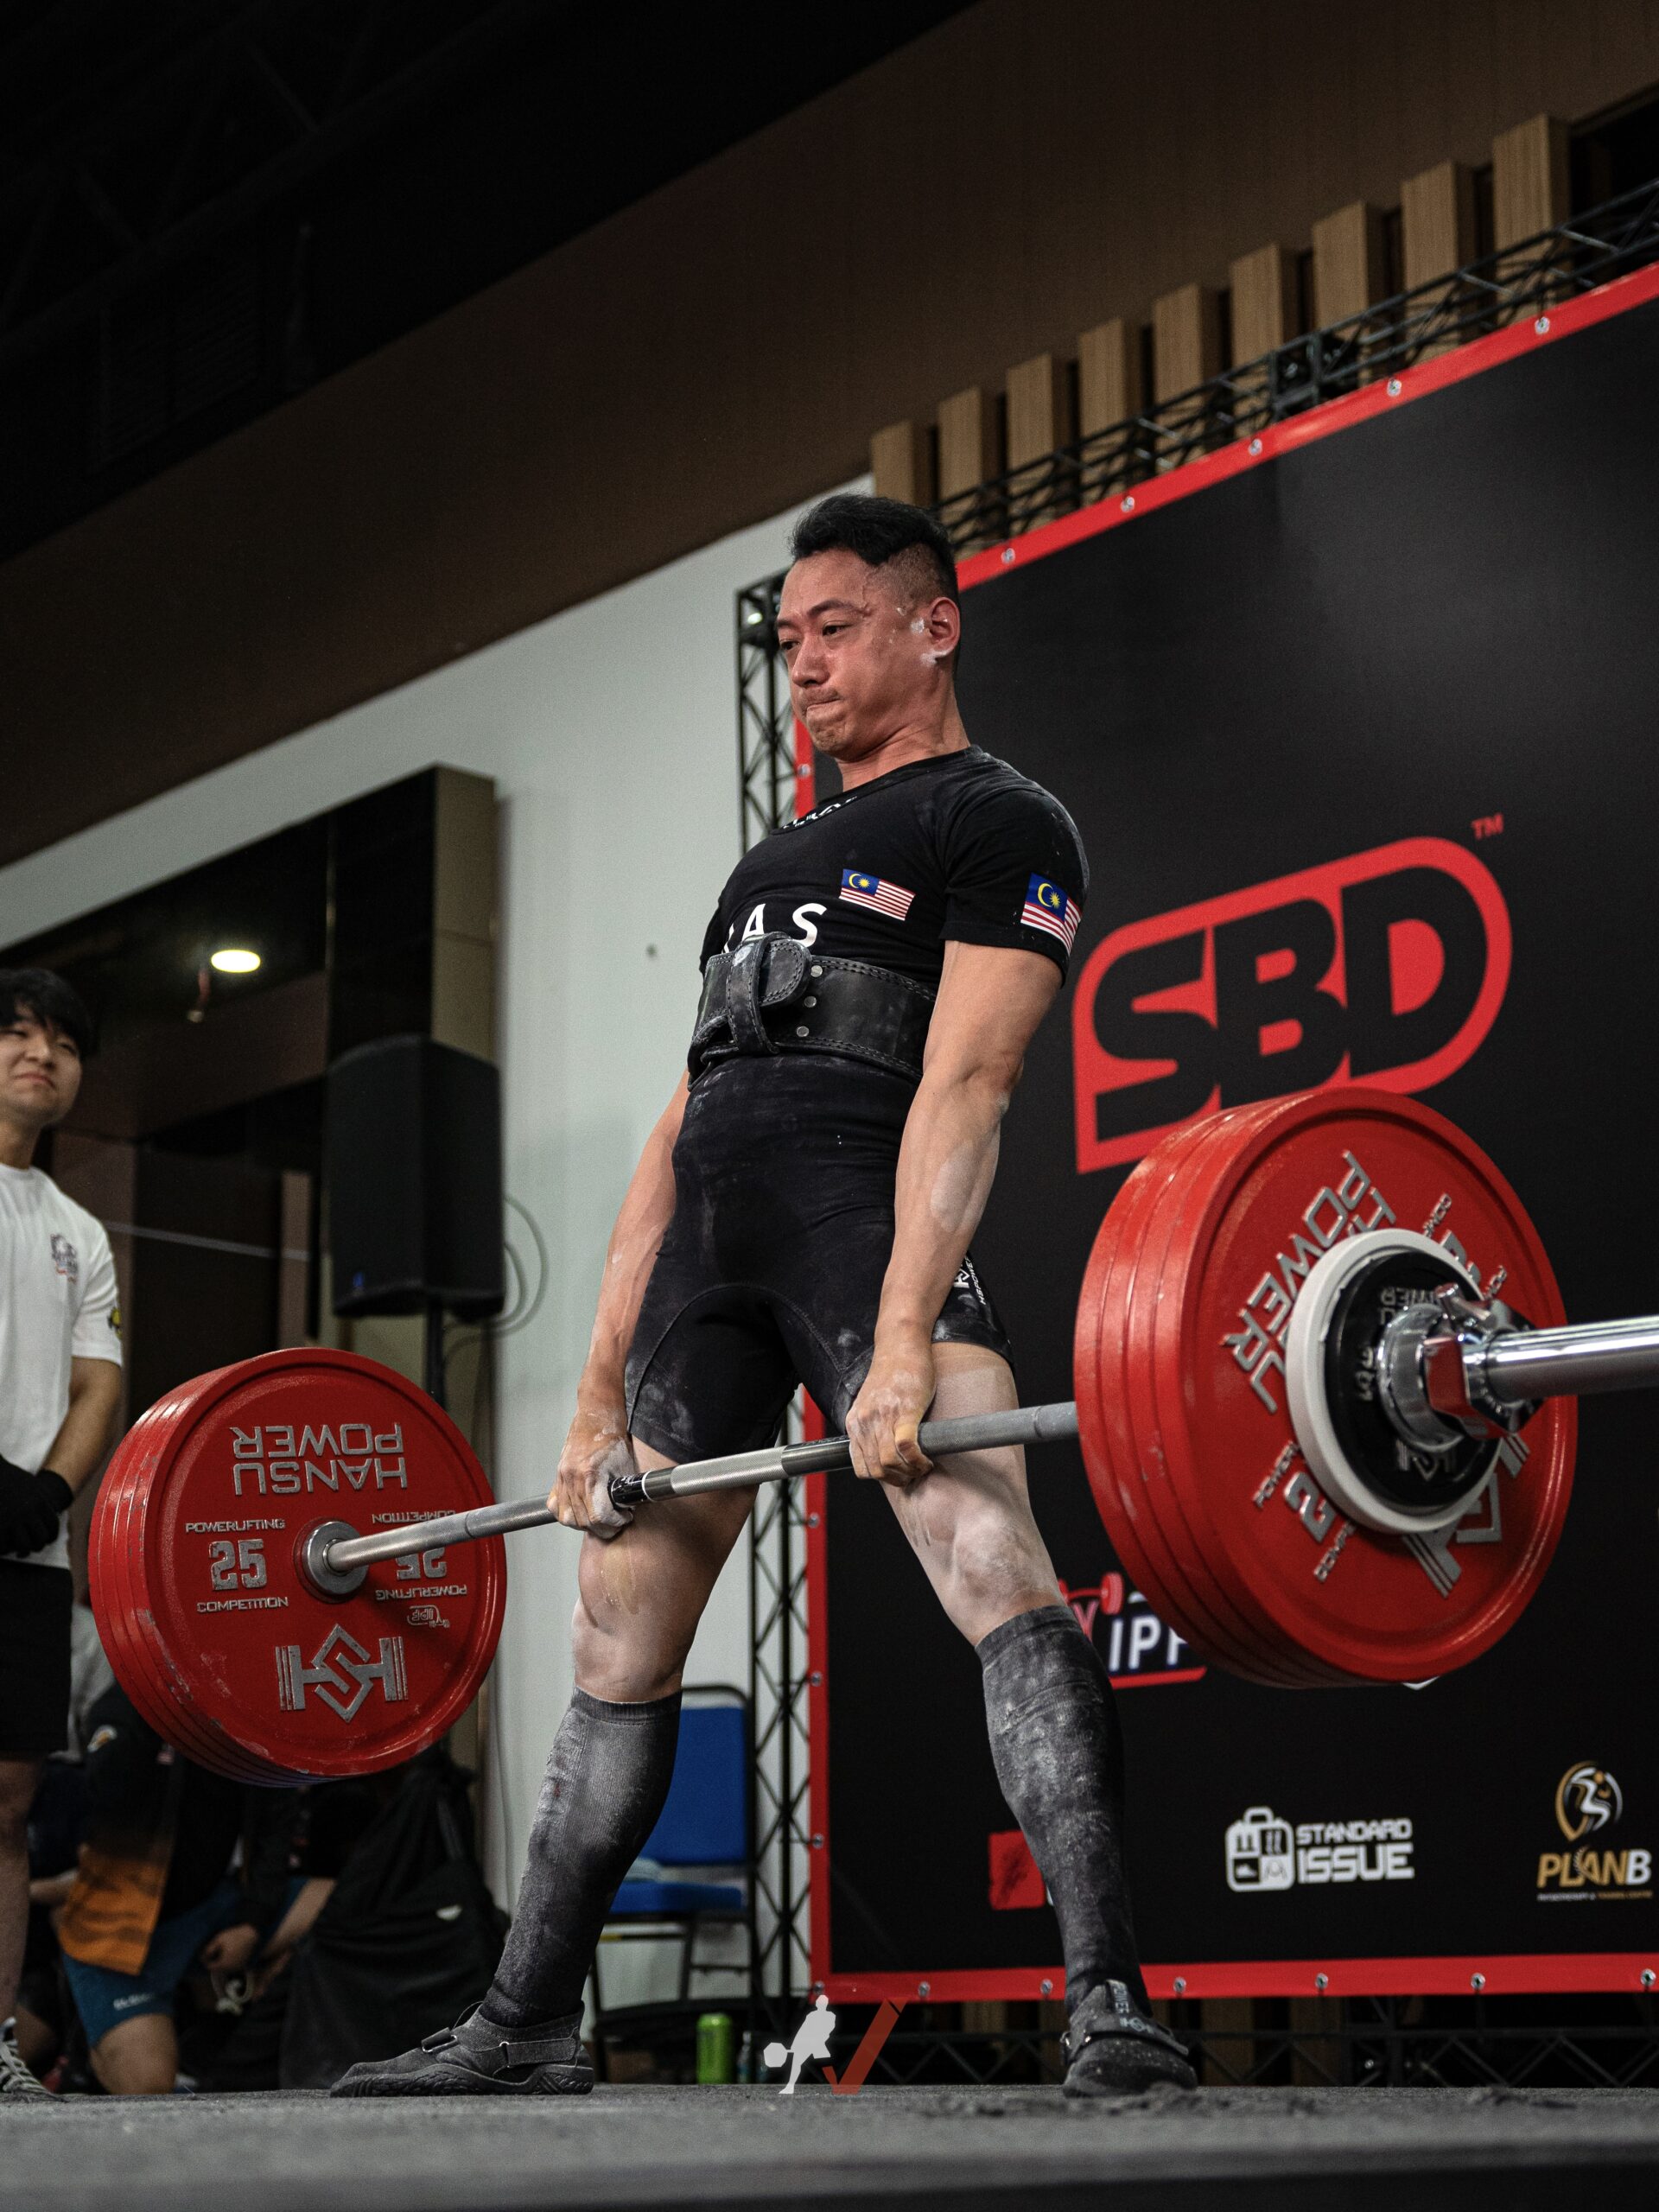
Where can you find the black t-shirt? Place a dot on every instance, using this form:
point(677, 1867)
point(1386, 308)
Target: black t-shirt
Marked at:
point(960, 846)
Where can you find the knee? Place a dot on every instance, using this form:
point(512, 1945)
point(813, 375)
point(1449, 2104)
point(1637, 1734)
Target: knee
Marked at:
point(131, 2066)
point(990, 1582)
point(623, 1661)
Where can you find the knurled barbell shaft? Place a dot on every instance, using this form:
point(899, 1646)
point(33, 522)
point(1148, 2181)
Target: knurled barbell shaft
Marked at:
point(779, 1462)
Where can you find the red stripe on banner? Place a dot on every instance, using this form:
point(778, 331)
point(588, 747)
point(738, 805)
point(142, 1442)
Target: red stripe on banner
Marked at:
point(1589, 1972)
point(1520, 338)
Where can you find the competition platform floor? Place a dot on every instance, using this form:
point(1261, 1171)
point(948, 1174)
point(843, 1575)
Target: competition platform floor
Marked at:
point(1225, 2150)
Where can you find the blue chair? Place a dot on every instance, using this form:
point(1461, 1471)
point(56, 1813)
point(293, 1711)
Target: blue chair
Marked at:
point(704, 1828)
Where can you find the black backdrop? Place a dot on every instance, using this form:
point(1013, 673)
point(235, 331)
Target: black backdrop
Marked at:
point(1442, 617)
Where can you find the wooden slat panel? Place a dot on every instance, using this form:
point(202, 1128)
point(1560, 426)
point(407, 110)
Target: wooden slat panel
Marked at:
point(1437, 231)
point(1036, 409)
point(1437, 222)
point(1347, 261)
point(1529, 180)
point(902, 464)
point(1110, 383)
point(1186, 339)
point(966, 442)
point(1264, 301)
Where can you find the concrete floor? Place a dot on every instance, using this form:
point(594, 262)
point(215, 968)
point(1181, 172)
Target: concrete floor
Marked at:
point(1227, 2149)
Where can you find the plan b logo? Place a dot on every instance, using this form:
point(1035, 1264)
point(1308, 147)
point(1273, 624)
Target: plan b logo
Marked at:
point(1387, 967)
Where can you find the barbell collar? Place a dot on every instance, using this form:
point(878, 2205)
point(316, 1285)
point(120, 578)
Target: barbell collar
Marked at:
point(329, 1562)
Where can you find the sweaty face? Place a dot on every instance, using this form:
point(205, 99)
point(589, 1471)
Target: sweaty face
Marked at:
point(40, 1073)
point(864, 654)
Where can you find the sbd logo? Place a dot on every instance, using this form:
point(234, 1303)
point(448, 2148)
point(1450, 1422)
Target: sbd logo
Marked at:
point(1388, 967)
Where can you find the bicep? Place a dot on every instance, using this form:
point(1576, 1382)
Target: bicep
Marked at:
point(991, 999)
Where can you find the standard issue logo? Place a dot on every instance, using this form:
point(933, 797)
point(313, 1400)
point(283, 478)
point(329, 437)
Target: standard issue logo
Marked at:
point(1588, 1802)
point(1387, 967)
point(1264, 1852)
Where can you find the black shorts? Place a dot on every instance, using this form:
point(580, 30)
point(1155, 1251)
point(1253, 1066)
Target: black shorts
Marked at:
point(34, 1612)
point(770, 1272)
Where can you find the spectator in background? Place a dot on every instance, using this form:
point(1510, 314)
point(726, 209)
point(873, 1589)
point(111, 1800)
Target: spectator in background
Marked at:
point(179, 1867)
point(60, 1388)
point(55, 1832)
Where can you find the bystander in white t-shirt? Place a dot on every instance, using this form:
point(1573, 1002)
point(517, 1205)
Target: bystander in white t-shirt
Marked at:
point(57, 1304)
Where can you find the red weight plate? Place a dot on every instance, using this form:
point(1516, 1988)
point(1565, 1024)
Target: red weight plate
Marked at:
point(1113, 1450)
point(1135, 1457)
point(274, 1677)
point(114, 1607)
point(147, 1681)
point(1260, 1653)
point(1365, 1606)
point(122, 1606)
point(1094, 1383)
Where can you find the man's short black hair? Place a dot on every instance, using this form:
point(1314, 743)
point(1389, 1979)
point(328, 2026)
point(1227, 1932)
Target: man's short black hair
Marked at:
point(879, 530)
point(54, 1003)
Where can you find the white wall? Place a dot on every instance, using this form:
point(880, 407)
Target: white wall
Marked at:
point(610, 731)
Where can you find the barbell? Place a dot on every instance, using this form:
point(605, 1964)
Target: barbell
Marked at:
point(1325, 1398)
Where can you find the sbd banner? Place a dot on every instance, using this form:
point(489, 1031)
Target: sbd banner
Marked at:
point(1361, 744)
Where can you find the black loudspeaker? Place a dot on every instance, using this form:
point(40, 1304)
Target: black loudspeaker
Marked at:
point(414, 1180)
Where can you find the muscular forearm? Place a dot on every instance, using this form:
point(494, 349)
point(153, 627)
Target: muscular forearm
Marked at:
point(641, 1227)
point(947, 1162)
point(81, 1442)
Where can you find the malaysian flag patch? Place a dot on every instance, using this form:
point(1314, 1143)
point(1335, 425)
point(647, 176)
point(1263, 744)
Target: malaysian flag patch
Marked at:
point(870, 891)
point(1047, 908)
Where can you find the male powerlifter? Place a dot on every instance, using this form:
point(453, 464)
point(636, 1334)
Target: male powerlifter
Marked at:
point(59, 1388)
point(801, 1214)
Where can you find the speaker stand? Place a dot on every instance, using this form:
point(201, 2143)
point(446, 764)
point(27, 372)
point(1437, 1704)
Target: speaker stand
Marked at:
point(434, 1350)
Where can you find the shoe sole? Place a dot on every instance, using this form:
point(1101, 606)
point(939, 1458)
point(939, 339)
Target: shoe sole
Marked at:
point(451, 2081)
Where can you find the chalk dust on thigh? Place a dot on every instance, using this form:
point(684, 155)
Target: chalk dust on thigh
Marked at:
point(969, 1520)
point(643, 1591)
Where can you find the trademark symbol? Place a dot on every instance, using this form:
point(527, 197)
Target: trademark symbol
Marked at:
point(1488, 825)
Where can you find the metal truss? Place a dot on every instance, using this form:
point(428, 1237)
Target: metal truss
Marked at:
point(184, 122)
point(1377, 2042)
point(1523, 280)
point(779, 1968)
point(778, 1934)
point(765, 727)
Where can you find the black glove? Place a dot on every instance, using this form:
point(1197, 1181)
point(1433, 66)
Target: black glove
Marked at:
point(30, 1507)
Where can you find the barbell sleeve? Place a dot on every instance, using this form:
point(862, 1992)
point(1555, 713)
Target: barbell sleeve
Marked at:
point(1520, 1365)
point(736, 1470)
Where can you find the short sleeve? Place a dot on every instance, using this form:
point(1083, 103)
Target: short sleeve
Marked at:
point(1016, 871)
point(97, 1323)
point(713, 938)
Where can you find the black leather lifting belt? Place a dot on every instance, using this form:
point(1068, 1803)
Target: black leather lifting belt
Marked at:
point(774, 994)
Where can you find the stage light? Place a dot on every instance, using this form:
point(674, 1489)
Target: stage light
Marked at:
point(235, 960)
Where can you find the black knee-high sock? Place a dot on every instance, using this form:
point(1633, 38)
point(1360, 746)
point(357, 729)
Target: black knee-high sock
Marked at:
point(607, 1776)
point(1059, 1754)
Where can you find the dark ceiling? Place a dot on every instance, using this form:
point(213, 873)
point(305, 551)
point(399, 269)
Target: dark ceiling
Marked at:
point(207, 206)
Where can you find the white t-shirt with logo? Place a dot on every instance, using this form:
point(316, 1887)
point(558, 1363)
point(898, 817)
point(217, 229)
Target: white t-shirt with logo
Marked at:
point(57, 1304)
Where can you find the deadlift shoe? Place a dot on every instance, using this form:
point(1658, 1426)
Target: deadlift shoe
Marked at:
point(1113, 2051)
point(475, 2058)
